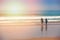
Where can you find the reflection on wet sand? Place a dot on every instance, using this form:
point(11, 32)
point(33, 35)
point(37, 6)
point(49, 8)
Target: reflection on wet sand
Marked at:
point(28, 30)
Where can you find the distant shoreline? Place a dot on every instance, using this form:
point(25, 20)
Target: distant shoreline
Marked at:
point(35, 21)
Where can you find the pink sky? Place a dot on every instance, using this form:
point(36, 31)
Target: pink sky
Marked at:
point(31, 5)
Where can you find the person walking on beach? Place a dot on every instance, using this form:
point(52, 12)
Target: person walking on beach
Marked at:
point(46, 21)
point(41, 24)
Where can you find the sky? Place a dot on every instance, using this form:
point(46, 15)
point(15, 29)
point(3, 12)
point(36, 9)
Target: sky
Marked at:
point(30, 7)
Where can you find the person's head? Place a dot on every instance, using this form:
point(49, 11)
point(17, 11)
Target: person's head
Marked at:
point(46, 19)
point(41, 18)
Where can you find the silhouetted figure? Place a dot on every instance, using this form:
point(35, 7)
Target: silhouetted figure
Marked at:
point(41, 24)
point(46, 21)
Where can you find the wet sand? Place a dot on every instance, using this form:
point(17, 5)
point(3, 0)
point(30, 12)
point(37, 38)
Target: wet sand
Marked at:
point(29, 31)
point(45, 38)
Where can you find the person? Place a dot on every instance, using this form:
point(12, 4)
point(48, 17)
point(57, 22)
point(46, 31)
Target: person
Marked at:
point(41, 24)
point(46, 21)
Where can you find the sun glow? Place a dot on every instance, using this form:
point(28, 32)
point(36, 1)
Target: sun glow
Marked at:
point(15, 9)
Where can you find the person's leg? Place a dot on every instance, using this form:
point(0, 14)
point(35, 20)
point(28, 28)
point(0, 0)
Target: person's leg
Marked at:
point(41, 27)
point(41, 24)
point(46, 27)
point(46, 24)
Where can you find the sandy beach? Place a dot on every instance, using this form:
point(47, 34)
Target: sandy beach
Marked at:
point(29, 31)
